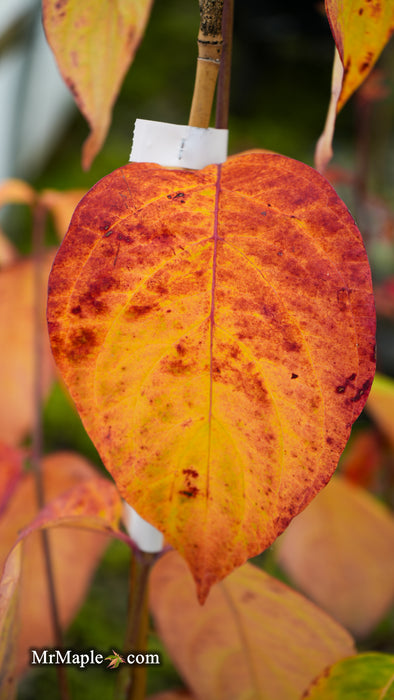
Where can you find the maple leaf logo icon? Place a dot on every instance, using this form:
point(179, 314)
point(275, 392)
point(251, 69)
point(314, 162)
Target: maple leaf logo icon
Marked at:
point(115, 659)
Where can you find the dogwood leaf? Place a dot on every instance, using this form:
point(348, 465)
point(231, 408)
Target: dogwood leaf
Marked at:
point(216, 331)
point(344, 536)
point(94, 44)
point(254, 637)
point(369, 676)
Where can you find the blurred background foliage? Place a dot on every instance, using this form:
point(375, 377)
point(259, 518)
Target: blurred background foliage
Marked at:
point(281, 76)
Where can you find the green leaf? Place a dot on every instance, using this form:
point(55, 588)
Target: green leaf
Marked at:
point(364, 677)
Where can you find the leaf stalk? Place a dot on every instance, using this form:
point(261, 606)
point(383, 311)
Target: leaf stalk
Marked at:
point(132, 679)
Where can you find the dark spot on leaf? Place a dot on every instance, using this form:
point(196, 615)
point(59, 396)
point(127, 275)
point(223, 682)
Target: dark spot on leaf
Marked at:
point(365, 387)
point(348, 381)
point(122, 237)
point(342, 297)
point(190, 472)
point(81, 342)
point(190, 493)
point(71, 86)
point(366, 63)
point(109, 233)
point(136, 311)
point(181, 350)
point(292, 346)
point(361, 11)
point(294, 376)
point(280, 252)
point(76, 309)
point(329, 440)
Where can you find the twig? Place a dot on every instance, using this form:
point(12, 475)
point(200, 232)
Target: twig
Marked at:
point(209, 51)
point(132, 679)
point(39, 220)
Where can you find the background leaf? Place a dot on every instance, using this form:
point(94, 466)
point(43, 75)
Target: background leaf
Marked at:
point(363, 458)
point(16, 348)
point(381, 405)
point(11, 471)
point(9, 596)
point(218, 346)
point(361, 30)
point(61, 205)
point(254, 637)
point(339, 552)
point(367, 676)
point(94, 44)
point(74, 554)
point(172, 695)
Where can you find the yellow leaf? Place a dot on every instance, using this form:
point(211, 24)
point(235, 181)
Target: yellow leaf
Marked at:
point(94, 43)
point(254, 637)
point(339, 552)
point(216, 331)
point(361, 29)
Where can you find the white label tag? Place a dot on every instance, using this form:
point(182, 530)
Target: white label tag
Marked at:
point(178, 146)
point(145, 535)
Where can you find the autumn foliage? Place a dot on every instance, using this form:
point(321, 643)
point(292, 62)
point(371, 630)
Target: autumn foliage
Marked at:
point(215, 329)
point(188, 312)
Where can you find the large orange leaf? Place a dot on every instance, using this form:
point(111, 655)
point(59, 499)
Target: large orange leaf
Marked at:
point(361, 29)
point(339, 552)
point(216, 331)
point(76, 496)
point(17, 319)
point(94, 43)
point(254, 637)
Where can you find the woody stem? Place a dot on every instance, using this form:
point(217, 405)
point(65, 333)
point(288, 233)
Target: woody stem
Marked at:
point(209, 51)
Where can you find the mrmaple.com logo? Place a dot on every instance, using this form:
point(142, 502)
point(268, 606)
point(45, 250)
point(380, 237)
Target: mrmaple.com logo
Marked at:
point(68, 657)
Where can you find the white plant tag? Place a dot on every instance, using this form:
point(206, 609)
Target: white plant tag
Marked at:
point(178, 146)
point(145, 536)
